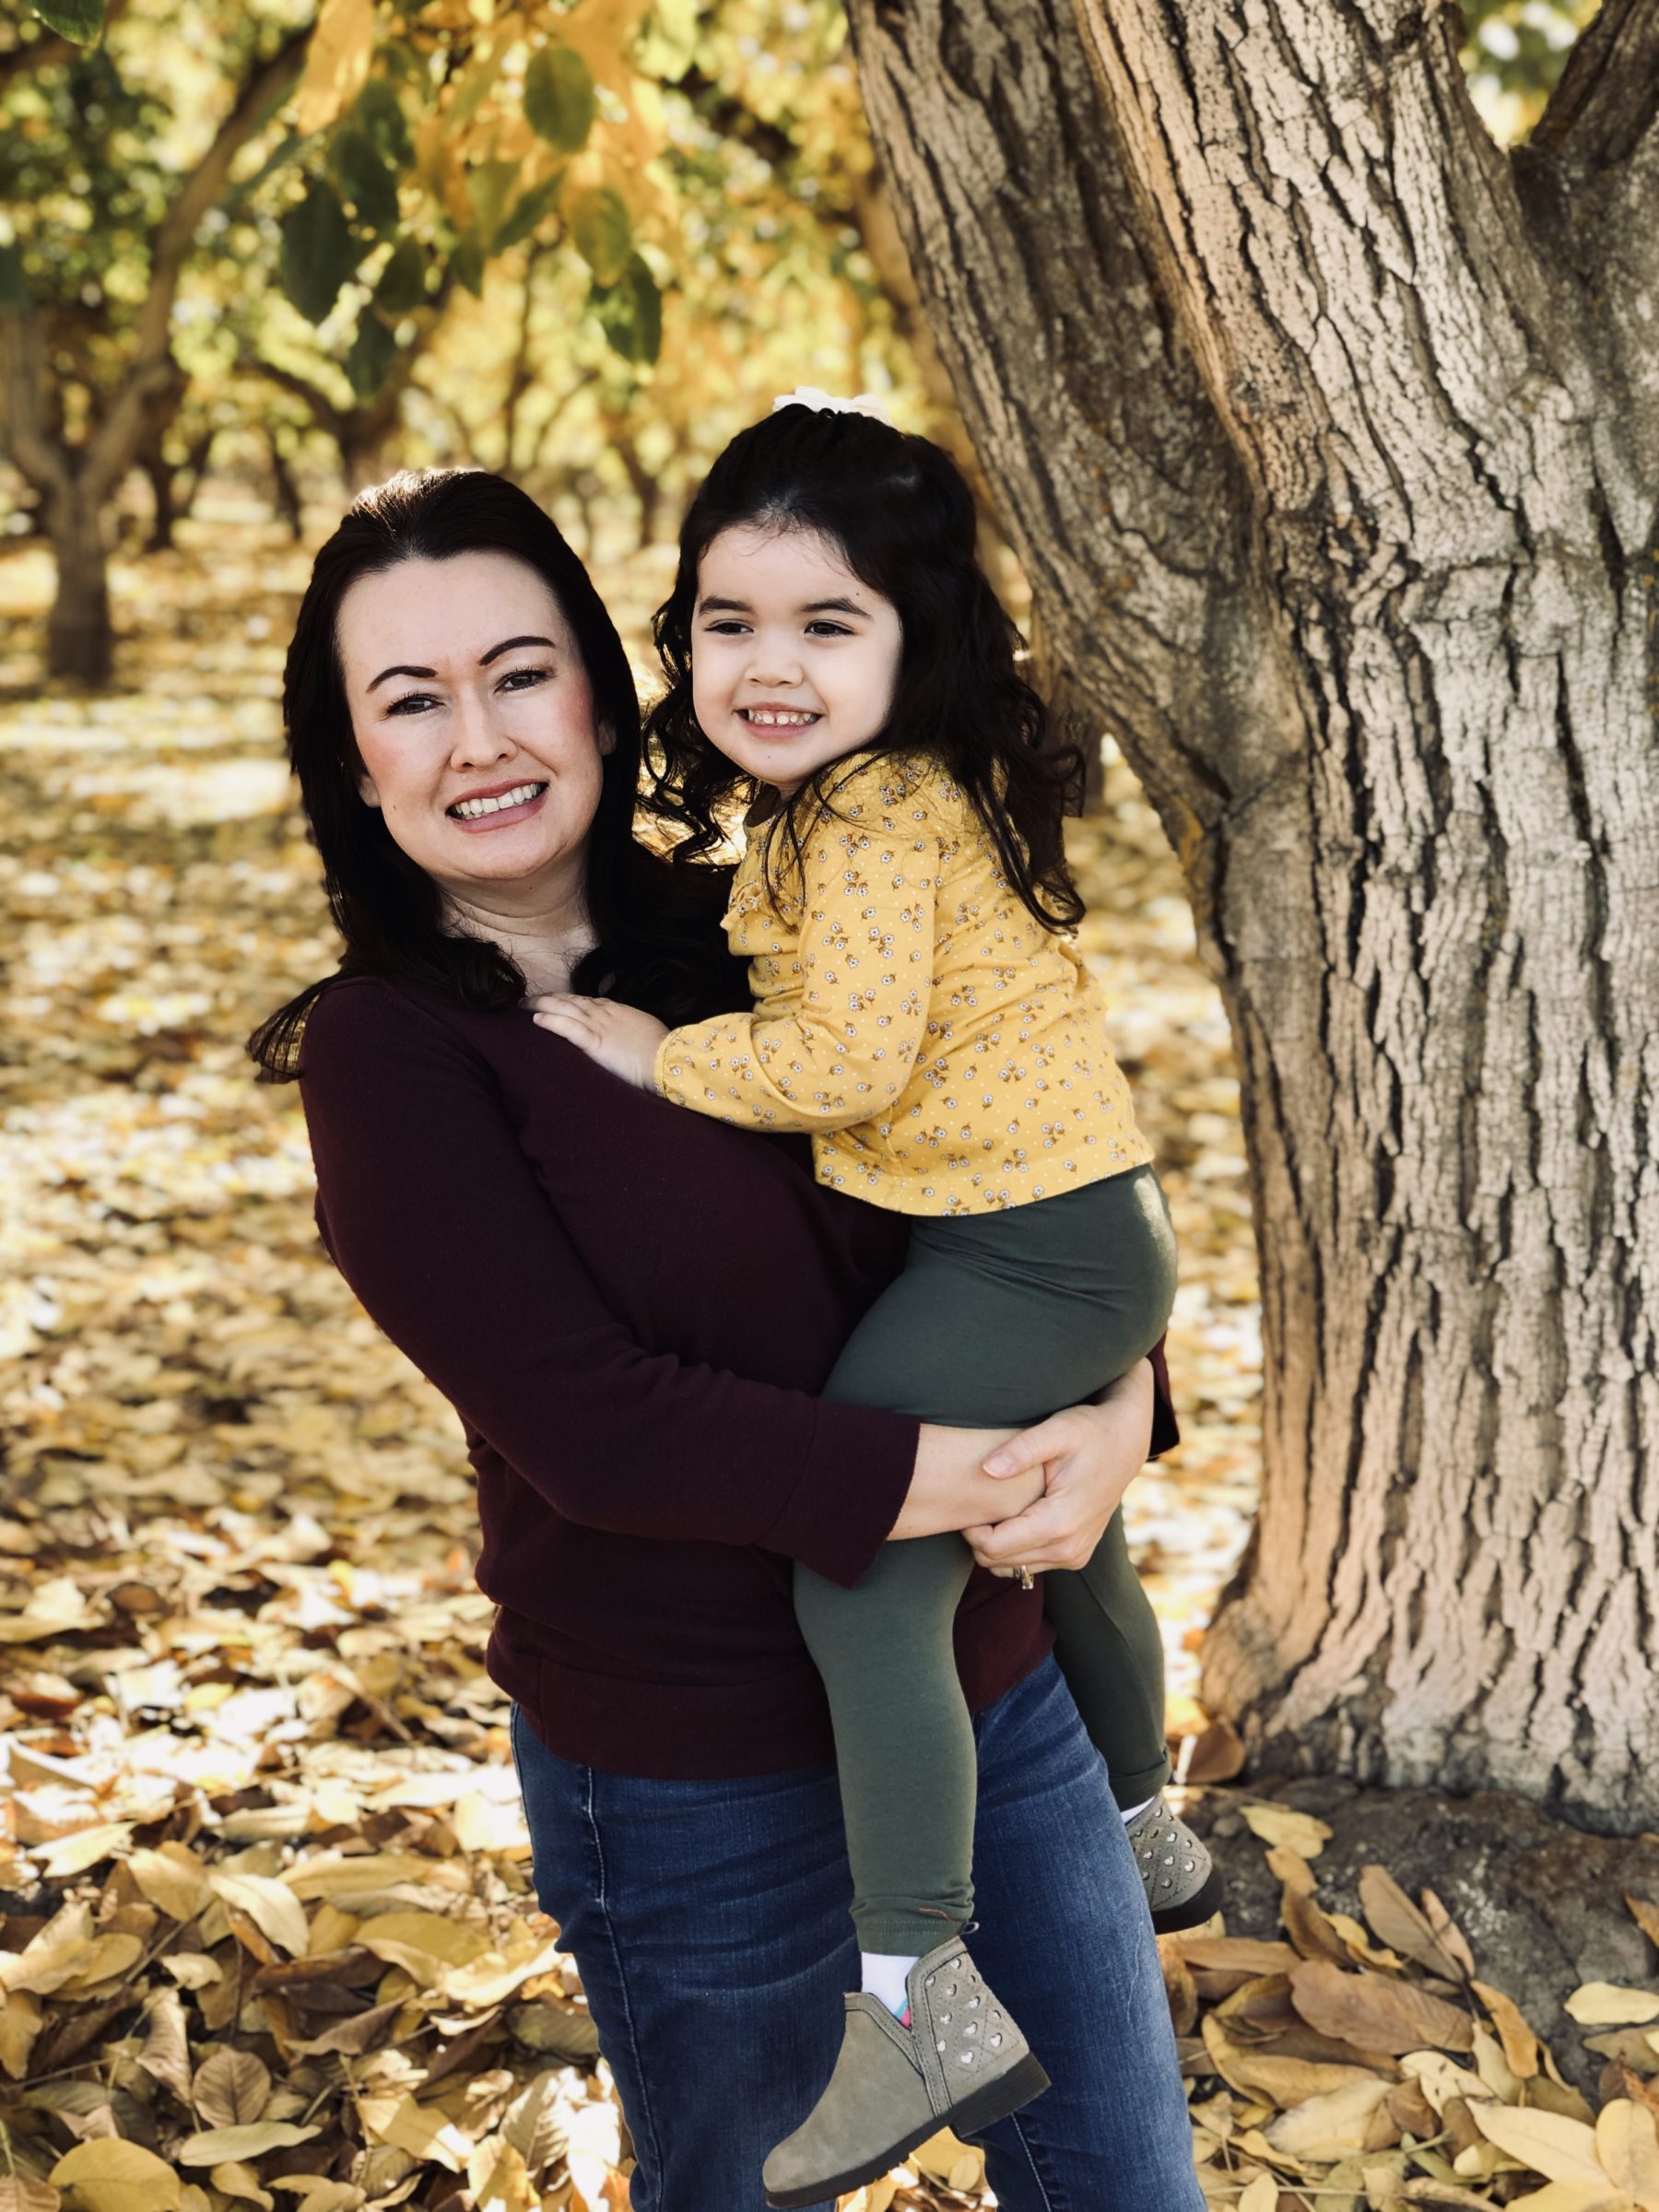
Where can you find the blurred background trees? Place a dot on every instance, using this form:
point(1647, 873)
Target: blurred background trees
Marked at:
point(302, 245)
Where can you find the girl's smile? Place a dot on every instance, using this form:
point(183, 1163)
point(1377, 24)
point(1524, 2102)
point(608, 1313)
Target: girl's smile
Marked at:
point(793, 659)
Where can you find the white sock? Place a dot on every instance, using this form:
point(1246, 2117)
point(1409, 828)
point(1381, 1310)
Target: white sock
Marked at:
point(1134, 1812)
point(884, 1975)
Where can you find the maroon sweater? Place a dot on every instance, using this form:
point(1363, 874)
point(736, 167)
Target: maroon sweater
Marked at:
point(629, 1307)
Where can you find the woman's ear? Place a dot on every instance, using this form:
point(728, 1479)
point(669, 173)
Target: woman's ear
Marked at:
point(367, 789)
point(607, 740)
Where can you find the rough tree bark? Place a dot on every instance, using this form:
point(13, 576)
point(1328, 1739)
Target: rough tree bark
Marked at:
point(1329, 436)
point(76, 478)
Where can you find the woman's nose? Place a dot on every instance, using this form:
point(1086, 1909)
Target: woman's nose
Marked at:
point(479, 736)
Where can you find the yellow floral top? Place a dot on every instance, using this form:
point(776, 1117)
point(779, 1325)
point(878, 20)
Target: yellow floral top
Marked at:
point(947, 1054)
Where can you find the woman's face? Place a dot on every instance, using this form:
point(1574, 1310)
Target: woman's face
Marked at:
point(475, 720)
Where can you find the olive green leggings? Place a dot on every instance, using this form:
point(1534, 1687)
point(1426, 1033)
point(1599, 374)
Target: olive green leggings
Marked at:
point(998, 1321)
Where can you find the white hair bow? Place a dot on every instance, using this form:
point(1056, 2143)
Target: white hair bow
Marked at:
point(808, 396)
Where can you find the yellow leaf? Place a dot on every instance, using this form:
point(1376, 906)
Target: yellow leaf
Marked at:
point(112, 2176)
point(219, 2146)
point(1606, 2005)
point(21, 2020)
point(1261, 2196)
point(1573, 2197)
point(1520, 2044)
point(73, 1855)
point(192, 1970)
point(271, 1906)
point(1558, 2148)
point(493, 1976)
point(1399, 1924)
point(1328, 2125)
point(1627, 2143)
point(950, 2161)
point(423, 2134)
point(426, 1945)
point(55, 1955)
point(1283, 2081)
point(1282, 1825)
point(19, 2194)
point(242, 2182)
point(336, 62)
point(172, 1879)
point(1439, 2080)
point(107, 1958)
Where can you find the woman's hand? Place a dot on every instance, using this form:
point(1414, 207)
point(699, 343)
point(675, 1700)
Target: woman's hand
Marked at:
point(619, 1038)
point(1090, 1455)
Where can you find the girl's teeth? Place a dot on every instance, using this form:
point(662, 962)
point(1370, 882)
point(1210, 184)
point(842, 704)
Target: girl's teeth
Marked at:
point(470, 809)
point(782, 722)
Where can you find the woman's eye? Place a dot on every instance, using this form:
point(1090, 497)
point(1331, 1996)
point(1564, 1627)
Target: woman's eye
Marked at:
point(412, 702)
point(524, 679)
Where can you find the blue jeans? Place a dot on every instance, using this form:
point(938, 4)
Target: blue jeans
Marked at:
point(709, 1921)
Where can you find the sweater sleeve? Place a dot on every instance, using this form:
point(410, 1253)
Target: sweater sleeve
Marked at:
point(435, 1217)
point(864, 959)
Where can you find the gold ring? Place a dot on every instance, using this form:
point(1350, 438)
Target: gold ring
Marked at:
point(1024, 1578)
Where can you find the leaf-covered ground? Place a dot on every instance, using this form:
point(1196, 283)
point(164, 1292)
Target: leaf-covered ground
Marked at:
point(267, 1933)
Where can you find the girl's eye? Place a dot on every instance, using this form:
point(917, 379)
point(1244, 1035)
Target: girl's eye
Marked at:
point(824, 628)
point(730, 628)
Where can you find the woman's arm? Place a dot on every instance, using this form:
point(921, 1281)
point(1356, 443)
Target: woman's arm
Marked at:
point(435, 1217)
point(1091, 1454)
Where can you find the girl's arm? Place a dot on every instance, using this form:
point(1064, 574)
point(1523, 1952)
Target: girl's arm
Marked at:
point(435, 1217)
point(864, 962)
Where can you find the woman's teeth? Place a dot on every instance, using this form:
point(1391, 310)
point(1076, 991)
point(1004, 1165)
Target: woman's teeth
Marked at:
point(763, 718)
point(468, 810)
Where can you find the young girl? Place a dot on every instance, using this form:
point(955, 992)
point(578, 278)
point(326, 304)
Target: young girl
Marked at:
point(835, 653)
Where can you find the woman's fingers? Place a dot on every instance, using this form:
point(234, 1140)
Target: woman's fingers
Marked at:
point(1045, 1535)
point(1034, 1447)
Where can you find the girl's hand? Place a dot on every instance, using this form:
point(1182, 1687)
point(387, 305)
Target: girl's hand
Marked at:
point(1090, 1454)
point(619, 1038)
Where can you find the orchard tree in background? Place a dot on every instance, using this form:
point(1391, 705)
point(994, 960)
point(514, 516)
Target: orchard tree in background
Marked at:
point(1328, 432)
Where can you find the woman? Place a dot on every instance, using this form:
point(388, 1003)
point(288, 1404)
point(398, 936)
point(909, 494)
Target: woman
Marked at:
point(630, 1309)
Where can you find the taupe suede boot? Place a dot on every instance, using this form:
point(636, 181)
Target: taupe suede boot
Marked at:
point(961, 2063)
point(1181, 1884)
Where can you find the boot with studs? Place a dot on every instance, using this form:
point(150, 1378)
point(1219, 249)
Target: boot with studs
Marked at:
point(1181, 1884)
point(961, 2063)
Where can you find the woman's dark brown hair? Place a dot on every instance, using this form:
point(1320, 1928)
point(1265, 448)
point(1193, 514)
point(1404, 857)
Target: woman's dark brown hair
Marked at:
point(659, 945)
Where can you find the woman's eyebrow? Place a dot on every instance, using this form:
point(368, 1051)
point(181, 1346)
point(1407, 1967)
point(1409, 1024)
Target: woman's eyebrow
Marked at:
point(386, 673)
point(508, 644)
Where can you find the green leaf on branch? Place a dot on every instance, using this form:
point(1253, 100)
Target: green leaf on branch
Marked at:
point(630, 314)
point(372, 355)
point(14, 291)
point(489, 187)
point(402, 282)
point(466, 265)
point(559, 102)
point(368, 186)
point(318, 252)
point(81, 20)
point(380, 113)
point(603, 233)
point(530, 214)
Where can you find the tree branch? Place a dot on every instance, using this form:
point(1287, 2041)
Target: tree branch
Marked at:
point(24, 438)
point(111, 452)
point(1608, 100)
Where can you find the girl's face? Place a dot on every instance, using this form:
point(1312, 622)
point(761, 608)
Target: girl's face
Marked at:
point(794, 659)
point(475, 720)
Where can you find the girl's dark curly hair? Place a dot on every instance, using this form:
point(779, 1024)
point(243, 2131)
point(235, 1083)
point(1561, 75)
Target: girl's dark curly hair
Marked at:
point(659, 943)
point(901, 516)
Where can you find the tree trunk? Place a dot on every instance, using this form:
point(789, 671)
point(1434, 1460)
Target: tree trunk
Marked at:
point(80, 635)
point(1329, 437)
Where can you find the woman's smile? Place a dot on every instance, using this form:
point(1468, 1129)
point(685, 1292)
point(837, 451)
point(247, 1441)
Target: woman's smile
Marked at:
point(499, 806)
